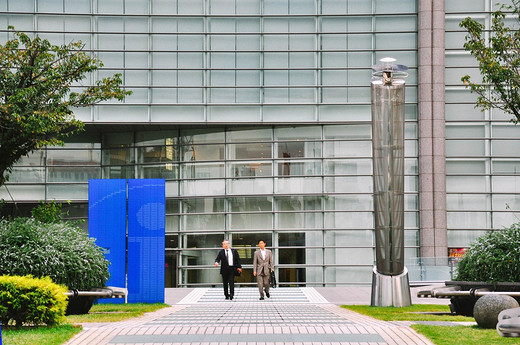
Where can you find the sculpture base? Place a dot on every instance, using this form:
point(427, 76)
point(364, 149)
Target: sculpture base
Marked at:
point(390, 291)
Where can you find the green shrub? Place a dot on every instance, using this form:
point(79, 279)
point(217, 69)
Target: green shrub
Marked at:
point(31, 301)
point(61, 251)
point(494, 257)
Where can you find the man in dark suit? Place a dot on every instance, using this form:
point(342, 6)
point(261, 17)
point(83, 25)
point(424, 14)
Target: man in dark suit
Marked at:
point(230, 266)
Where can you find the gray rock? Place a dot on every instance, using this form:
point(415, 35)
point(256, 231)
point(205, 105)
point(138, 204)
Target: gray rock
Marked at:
point(488, 307)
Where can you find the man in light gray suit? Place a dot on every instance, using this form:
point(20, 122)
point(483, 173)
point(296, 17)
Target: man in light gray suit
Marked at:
point(262, 268)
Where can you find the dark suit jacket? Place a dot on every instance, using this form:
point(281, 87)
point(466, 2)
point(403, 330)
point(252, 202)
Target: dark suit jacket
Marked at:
point(221, 258)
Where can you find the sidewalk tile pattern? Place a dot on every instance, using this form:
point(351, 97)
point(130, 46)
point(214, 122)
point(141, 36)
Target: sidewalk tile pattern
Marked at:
point(291, 316)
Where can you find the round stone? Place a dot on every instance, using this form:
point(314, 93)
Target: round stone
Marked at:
point(488, 307)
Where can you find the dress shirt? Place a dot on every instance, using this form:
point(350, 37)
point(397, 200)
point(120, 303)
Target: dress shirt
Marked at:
point(229, 256)
point(263, 253)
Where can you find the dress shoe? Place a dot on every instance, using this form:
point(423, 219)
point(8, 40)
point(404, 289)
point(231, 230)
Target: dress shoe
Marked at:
point(261, 298)
point(231, 297)
point(227, 297)
point(267, 294)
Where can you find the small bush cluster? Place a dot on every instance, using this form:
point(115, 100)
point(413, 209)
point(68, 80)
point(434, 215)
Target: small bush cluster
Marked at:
point(494, 257)
point(28, 300)
point(61, 251)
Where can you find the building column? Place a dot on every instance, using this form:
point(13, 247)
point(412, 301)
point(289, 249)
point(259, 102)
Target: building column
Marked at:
point(432, 154)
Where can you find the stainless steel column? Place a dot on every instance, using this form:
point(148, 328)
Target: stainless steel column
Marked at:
point(390, 286)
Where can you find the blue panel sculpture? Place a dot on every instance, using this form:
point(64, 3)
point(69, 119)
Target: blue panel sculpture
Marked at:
point(146, 231)
point(107, 224)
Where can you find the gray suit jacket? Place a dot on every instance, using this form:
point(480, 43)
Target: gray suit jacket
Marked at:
point(261, 266)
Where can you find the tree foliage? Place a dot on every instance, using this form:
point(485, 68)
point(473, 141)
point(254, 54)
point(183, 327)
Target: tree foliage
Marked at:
point(61, 251)
point(494, 257)
point(37, 97)
point(499, 61)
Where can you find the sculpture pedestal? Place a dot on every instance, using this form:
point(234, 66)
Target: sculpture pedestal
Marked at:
point(390, 291)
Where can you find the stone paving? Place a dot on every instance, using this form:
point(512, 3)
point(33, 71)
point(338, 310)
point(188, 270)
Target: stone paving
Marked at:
point(290, 316)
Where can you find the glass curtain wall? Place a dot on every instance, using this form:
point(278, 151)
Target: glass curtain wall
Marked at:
point(483, 160)
point(198, 69)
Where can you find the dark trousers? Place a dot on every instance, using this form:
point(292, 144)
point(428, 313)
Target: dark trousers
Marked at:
point(228, 279)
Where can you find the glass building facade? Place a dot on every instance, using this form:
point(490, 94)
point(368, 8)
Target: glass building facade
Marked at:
point(257, 114)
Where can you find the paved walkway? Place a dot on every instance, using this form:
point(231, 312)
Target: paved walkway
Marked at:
point(290, 316)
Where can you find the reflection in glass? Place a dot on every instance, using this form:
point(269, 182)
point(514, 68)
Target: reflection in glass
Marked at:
point(250, 151)
point(202, 152)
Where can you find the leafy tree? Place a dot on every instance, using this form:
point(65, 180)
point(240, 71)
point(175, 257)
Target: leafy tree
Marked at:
point(36, 100)
point(61, 251)
point(499, 61)
point(494, 257)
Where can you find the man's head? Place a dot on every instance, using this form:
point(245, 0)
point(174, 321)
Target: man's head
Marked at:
point(225, 244)
point(261, 244)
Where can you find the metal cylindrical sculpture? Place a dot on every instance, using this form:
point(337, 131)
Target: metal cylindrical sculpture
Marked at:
point(388, 102)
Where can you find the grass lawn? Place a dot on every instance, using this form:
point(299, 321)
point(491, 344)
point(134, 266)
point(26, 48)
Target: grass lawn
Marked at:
point(439, 335)
point(58, 335)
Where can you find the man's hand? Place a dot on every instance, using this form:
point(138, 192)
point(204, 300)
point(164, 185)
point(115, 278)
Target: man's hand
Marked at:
point(216, 264)
point(254, 273)
point(239, 270)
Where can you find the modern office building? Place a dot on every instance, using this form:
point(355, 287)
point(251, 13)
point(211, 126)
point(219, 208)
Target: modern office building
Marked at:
point(257, 114)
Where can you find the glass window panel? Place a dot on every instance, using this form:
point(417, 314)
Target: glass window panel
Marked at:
point(172, 223)
point(299, 149)
point(299, 185)
point(65, 192)
point(119, 171)
point(349, 238)
point(505, 148)
point(297, 203)
point(465, 147)
point(205, 205)
point(202, 136)
point(250, 169)
point(27, 175)
point(294, 256)
point(506, 184)
point(347, 148)
point(172, 206)
point(202, 241)
point(348, 167)
point(250, 186)
point(503, 220)
point(24, 192)
point(166, 171)
point(203, 222)
point(468, 202)
point(506, 131)
point(291, 239)
point(250, 151)
point(150, 154)
point(202, 170)
point(465, 167)
point(349, 203)
point(203, 187)
point(250, 221)
point(478, 184)
point(468, 220)
point(348, 132)
point(32, 159)
point(463, 238)
point(250, 204)
point(73, 157)
point(349, 256)
point(246, 135)
point(355, 184)
point(118, 156)
point(349, 220)
point(291, 168)
point(297, 133)
point(172, 241)
point(506, 202)
point(349, 275)
point(72, 174)
point(295, 220)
